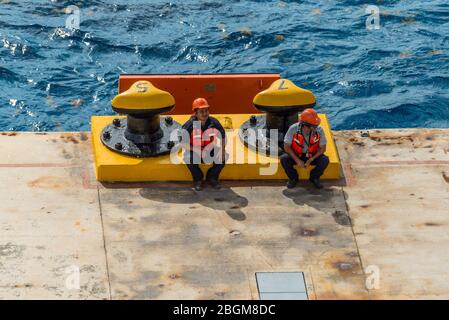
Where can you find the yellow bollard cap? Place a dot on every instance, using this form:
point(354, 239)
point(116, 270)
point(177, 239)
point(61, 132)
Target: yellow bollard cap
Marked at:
point(143, 98)
point(283, 96)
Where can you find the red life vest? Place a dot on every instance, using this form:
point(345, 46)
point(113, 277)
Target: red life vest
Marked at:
point(298, 143)
point(202, 139)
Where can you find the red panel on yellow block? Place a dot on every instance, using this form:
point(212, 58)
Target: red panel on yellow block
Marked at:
point(226, 93)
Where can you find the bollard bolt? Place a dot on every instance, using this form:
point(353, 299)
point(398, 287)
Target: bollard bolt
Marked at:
point(106, 135)
point(116, 122)
point(253, 120)
point(169, 121)
point(118, 146)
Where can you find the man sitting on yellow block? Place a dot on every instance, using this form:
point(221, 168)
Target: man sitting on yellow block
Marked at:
point(204, 131)
point(304, 145)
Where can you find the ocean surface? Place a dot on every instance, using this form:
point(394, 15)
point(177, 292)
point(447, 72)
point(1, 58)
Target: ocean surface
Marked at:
point(53, 78)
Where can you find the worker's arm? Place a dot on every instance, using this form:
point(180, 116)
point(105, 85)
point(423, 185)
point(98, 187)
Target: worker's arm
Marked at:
point(222, 139)
point(184, 134)
point(291, 153)
point(320, 151)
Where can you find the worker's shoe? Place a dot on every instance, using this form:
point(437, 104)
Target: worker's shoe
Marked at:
point(215, 184)
point(197, 185)
point(316, 182)
point(291, 183)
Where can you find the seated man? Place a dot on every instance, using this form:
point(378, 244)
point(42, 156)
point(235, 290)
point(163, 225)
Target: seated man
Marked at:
point(304, 145)
point(204, 132)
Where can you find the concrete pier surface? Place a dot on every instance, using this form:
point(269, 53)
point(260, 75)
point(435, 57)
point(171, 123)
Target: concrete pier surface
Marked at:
point(387, 219)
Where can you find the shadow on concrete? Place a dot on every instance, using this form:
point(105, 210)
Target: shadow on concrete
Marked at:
point(328, 200)
point(188, 184)
point(224, 199)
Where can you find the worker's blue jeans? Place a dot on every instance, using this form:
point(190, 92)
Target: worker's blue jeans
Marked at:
point(212, 174)
point(288, 164)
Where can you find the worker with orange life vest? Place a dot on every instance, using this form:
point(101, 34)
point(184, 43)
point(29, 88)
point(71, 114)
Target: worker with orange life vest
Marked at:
point(204, 133)
point(304, 145)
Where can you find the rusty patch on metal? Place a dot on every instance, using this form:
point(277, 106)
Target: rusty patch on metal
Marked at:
point(47, 182)
point(69, 138)
point(344, 266)
point(445, 176)
point(9, 134)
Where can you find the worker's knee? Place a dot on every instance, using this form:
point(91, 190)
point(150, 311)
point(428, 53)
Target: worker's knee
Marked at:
point(323, 161)
point(285, 159)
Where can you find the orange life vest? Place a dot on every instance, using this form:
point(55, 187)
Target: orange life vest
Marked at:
point(202, 139)
point(298, 143)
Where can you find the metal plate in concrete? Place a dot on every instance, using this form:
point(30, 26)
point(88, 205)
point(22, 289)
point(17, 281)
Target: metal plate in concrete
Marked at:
point(284, 296)
point(281, 286)
point(280, 282)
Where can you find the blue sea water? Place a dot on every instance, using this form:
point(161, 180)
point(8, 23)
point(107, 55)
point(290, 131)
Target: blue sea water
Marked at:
point(54, 79)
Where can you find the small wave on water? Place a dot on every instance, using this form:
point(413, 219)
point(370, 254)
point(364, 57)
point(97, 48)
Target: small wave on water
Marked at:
point(54, 79)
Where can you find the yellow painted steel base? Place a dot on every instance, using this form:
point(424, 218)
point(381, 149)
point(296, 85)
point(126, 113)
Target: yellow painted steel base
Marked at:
point(243, 163)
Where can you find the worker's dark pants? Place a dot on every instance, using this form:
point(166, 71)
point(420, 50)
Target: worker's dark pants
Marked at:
point(212, 174)
point(320, 164)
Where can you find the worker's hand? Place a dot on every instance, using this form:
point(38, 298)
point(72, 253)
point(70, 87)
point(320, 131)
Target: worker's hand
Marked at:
point(300, 163)
point(308, 162)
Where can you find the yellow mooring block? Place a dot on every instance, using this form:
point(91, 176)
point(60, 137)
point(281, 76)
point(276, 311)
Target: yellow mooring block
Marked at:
point(242, 164)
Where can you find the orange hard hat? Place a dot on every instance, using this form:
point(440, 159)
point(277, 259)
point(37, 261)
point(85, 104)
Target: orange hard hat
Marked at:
point(199, 103)
point(309, 116)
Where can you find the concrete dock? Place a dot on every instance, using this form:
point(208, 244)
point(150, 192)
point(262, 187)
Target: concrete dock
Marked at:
point(387, 218)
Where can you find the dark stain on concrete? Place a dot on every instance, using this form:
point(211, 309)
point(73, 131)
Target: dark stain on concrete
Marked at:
point(344, 266)
point(307, 215)
point(236, 215)
point(352, 254)
point(83, 136)
point(174, 276)
point(69, 138)
point(342, 218)
point(432, 224)
point(307, 232)
point(11, 250)
point(445, 176)
point(207, 279)
point(225, 199)
point(234, 233)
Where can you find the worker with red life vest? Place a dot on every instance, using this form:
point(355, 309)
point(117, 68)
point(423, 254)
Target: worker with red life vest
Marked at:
point(304, 145)
point(204, 133)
